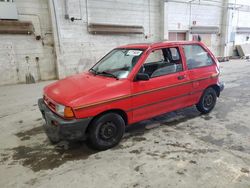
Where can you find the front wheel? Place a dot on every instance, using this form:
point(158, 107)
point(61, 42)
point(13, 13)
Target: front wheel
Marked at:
point(207, 101)
point(106, 131)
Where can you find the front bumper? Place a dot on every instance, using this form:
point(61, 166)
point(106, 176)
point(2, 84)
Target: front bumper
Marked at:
point(58, 128)
point(222, 86)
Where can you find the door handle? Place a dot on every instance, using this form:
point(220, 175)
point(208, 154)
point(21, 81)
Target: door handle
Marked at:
point(181, 77)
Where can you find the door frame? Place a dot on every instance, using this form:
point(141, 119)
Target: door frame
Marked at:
point(166, 86)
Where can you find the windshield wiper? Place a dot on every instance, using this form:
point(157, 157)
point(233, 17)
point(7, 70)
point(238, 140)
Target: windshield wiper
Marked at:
point(108, 73)
point(93, 70)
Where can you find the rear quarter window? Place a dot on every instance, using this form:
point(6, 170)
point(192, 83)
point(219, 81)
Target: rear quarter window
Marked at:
point(196, 56)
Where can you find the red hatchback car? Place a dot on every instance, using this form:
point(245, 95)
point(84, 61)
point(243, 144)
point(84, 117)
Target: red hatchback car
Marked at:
point(131, 83)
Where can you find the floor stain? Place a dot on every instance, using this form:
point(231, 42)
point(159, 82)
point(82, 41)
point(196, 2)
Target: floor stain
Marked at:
point(43, 157)
point(192, 151)
point(180, 172)
point(238, 128)
point(192, 162)
point(26, 135)
point(38, 119)
point(137, 168)
point(136, 151)
point(245, 170)
point(152, 154)
point(3, 158)
point(177, 144)
point(237, 148)
point(139, 138)
point(169, 119)
point(206, 117)
point(136, 185)
point(212, 140)
point(174, 119)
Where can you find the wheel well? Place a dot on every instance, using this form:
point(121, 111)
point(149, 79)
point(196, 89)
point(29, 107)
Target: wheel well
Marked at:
point(216, 88)
point(122, 113)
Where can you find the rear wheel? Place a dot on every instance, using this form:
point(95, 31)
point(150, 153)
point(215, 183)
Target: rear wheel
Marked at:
point(207, 101)
point(106, 131)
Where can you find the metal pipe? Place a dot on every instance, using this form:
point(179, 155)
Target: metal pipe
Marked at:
point(213, 1)
point(66, 16)
point(58, 40)
point(80, 8)
point(206, 4)
point(149, 19)
point(190, 14)
point(57, 27)
point(87, 15)
point(224, 5)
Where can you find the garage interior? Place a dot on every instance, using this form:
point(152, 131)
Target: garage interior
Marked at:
point(45, 40)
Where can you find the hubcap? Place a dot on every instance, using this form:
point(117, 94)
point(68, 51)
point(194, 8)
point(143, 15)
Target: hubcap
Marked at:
point(208, 101)
point(107, 131)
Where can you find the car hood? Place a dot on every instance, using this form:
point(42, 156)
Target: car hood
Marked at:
point(86, 88)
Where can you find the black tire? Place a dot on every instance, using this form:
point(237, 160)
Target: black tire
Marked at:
point(106, 131)
point(207, 101)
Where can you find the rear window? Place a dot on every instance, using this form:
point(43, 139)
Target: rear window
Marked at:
point(196, 56)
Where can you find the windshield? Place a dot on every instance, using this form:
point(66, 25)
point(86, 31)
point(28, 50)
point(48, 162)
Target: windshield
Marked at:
point(118, 63)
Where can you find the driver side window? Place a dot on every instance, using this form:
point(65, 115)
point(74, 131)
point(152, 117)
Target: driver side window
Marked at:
point(162, 62)
point(155, 56)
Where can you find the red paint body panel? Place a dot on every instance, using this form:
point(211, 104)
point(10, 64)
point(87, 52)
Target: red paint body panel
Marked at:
point(90, 95)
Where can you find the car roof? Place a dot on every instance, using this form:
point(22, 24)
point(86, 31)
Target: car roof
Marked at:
point(157, 44)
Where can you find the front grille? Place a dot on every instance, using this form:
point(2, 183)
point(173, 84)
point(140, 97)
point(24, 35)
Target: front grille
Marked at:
point(49, 103)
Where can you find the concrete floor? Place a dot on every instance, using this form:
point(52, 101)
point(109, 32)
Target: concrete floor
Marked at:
point(185, 149)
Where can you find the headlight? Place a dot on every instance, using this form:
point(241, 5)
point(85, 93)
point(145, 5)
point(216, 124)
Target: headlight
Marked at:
point(60, 109)
point(64, 111)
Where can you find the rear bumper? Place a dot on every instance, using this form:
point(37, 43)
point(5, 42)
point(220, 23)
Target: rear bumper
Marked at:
point(58, 128)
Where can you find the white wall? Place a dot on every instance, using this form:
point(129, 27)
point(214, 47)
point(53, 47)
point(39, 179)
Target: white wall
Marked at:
point(181, 15)
point(78, 50)
point(15, 48)
point(185, 13)
point(242, 21)
point(178, 16)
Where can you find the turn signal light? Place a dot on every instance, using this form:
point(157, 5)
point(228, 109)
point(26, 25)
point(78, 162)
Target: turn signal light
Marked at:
point(68, 112)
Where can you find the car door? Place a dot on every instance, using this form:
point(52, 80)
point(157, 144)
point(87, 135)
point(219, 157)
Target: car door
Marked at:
point(168, 87)
point(202, 69)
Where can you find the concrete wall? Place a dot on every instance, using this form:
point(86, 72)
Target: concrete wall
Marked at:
point(242, 18)
point(181, 15)
point(237, 15)
point(23, 54)
point(67, 47)
point(78, 50)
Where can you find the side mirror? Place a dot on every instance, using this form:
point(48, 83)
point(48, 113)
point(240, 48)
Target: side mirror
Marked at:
point(142, 76)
